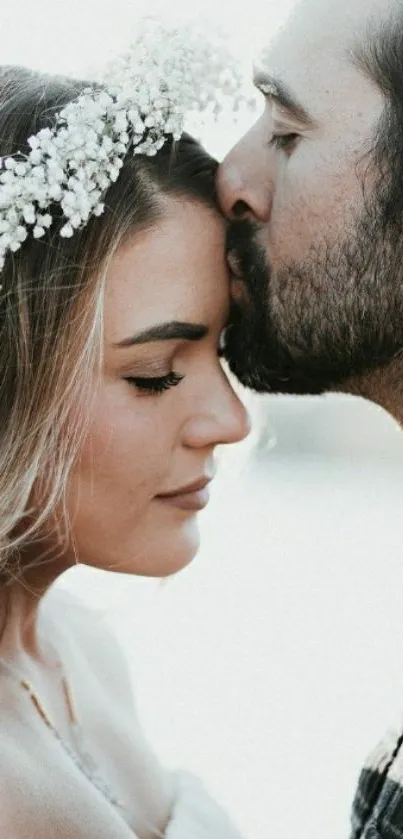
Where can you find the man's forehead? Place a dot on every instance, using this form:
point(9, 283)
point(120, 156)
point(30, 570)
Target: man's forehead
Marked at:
point(313, 52)
point(314, 58)
point(332, 25)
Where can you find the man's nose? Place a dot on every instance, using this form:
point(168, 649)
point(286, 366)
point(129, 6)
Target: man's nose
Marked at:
point(244, 181)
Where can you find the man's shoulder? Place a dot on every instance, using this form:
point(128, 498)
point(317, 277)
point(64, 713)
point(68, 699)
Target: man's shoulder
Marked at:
point(378, 803)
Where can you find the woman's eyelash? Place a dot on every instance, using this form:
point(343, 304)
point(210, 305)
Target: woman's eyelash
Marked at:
point(155, 385)
point(283, 141)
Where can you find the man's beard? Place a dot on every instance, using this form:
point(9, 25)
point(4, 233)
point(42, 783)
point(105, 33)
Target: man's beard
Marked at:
point(311, 327)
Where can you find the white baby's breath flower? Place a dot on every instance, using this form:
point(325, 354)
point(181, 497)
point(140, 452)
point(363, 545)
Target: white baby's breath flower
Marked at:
point(142, 101)
point(67, 231)
point(45, 221)
point(28, 213)
point(33, 142)
point(21, 233)
point(35, 156)
point(55, 192)
point(21, 169)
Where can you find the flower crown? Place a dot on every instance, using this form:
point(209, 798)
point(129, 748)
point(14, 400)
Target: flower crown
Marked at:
point(142, 101)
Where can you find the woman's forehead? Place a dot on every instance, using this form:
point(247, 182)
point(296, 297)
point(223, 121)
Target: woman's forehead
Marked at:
point(175, 270)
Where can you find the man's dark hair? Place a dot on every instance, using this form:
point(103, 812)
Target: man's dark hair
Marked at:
point(380, 56)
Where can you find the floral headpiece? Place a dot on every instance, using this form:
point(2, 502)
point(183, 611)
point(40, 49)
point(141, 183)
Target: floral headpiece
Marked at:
point(143, 100)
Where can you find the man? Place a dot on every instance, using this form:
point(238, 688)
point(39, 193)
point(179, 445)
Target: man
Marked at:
point(314, 192)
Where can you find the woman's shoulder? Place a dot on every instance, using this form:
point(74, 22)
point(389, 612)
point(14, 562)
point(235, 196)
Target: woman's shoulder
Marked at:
point(104, 699)
point(74, 621)
point(41, 793)
point(60, 603)
point(86, 640)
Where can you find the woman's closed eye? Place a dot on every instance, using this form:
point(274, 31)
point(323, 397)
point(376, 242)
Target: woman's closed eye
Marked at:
point(155, 385)
point(152, 385)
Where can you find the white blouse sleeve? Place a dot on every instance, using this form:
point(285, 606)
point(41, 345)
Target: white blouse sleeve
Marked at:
point(195, 815)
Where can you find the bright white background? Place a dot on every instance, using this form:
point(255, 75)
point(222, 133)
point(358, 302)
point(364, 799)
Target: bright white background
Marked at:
point(274, 662)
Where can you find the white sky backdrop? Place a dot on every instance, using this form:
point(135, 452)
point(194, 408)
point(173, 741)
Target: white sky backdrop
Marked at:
point(71, 36)
point(274, 662)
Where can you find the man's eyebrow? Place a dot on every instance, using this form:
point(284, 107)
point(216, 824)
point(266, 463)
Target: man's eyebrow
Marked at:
point(166, 332)
point(276, 89)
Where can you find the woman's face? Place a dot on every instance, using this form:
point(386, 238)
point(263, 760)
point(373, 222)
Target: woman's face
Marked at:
point(163, 403)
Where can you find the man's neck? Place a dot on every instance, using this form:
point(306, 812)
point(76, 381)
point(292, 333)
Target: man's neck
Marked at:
point(383, 386)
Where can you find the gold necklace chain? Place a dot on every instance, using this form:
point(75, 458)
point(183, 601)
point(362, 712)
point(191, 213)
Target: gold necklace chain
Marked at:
point(69, 701)
point(80, 757)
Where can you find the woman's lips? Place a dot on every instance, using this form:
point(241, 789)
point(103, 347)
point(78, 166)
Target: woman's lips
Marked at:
point(193, 497)
point(192, 501)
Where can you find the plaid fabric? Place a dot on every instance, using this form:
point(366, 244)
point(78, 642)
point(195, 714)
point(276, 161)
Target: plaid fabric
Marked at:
point(378, 805)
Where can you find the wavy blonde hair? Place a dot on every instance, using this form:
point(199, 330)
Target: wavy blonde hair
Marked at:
point(51, 313)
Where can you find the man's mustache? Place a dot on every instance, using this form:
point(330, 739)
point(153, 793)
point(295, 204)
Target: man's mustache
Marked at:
point(240, 247)
point(246, 258)
point(240, 232)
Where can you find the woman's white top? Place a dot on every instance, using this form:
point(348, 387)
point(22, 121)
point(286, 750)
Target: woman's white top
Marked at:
point(195, 815)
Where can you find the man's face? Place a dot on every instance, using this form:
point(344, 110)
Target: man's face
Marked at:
point(312, 235)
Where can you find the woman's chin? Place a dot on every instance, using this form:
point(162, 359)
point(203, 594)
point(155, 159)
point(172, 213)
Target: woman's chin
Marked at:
point(165, 554)
point(177, 553)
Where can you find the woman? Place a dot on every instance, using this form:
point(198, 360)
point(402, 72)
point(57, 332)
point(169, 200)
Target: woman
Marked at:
point(114, 296)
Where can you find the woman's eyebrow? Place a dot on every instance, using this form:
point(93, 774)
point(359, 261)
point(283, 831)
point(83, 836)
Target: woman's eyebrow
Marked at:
point(166, 332)
point(276, 89)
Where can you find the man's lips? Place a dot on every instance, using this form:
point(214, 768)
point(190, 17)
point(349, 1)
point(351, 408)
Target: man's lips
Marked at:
point(238, 292)
point(234, 264)
point(238, 289)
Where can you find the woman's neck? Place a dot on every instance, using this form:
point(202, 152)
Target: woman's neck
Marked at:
point(19, 611)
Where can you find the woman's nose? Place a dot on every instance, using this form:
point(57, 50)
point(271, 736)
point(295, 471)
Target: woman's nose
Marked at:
point(244, 184)
point(223, 420)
